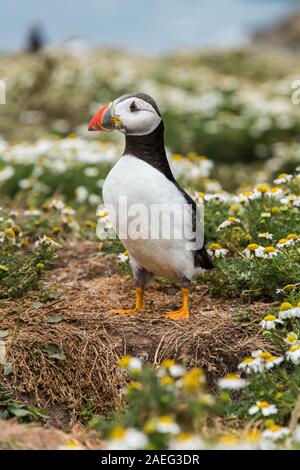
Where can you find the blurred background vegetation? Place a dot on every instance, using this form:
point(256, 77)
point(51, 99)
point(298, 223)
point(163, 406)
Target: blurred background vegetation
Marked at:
point(225, 91)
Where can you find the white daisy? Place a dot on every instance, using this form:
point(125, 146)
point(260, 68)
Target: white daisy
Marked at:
point(291, 338)
point(186, 441)
point(103, 215)
point(123, 257)
point(232, 382)
point(285, 311)
point(284, 242)
point(269, 322)
point(283, 178)
point(251, 364)
point(32, 212)
point(270, 252)
point(274, 432)
point(163, 425)
point(127, 439)
point(272, 361)
point(266, 235)
point(254, 250)
point(216, 250)
point(293, 354)
point(228, 222)
point(264, 407)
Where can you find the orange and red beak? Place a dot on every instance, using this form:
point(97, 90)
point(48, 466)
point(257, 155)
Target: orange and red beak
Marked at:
point(103, 120)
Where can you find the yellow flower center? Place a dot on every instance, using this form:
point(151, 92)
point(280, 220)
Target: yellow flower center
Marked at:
point(71, 444)
point(168, 363)
point(265, 355)
point(263, 188)
point(269, 249)
point(234, 207)
point(285, 306)
point(232, 377)
point(9, 233)
point(269, 318)
point(118, 433)
point(247, 360)
point(252, 247)
point(262, 404)
point(124, 361)
point(275, 210)
point(40, 265)
point(295, 347)
point(292, 236)
point(166, 420)
point(103, 214)
point(292, 337)
point(231, 219)
point(3, 268)
point(167, 380)
point(215, 246)
point(177, 156)
point(282, 241)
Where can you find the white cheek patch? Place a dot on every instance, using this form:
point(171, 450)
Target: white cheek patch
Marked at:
point(141, 122)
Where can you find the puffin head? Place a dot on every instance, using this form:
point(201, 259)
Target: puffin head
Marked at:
point(132, 114)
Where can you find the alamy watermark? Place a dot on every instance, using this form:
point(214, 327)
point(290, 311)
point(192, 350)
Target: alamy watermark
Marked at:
point(2, 92)
point(152, 222)
point(296, 93)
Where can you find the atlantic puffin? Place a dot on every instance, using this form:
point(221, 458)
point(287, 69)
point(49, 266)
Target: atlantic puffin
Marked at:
point(143, 175)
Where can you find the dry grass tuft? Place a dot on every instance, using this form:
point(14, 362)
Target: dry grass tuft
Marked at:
point(92, 341)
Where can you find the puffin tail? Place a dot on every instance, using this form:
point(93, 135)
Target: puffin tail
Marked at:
point(203, 260)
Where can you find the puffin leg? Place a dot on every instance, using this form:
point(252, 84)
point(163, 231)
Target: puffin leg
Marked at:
point(139, 304)
point(183, 312)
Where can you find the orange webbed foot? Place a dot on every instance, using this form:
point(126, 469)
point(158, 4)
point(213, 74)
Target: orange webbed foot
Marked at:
point(181, 314)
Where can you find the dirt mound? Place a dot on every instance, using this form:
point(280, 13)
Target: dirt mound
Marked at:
point(74, 361)
point(14, 436)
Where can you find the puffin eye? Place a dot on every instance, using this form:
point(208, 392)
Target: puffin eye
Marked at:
point(133, 107)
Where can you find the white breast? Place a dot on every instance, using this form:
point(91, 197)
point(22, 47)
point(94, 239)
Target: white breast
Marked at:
point(139, 182)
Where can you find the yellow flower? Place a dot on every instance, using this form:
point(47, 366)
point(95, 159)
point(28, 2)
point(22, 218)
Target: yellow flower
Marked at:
point(269, 318)
point(234, 208)
point(90, 223)
point(265, 355)
point(55, 230)
point(292, 236)
point(177, 156)
point(135, 385)
point(285, 306)
point(263, 188)
point(262, 404)
point(275, 210)
point(167, 380)
point(252, 247)
point(16, 229)
point(103, 214)
point(40, 266)
point(124, 361)
point(193, 379)
point(269, 249)
point(118, 433)
point(9, 233)
point(215, 246)
point(3, 267)
point(168, 363)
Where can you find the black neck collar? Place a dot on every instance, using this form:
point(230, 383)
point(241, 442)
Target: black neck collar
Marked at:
point(151, 149)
